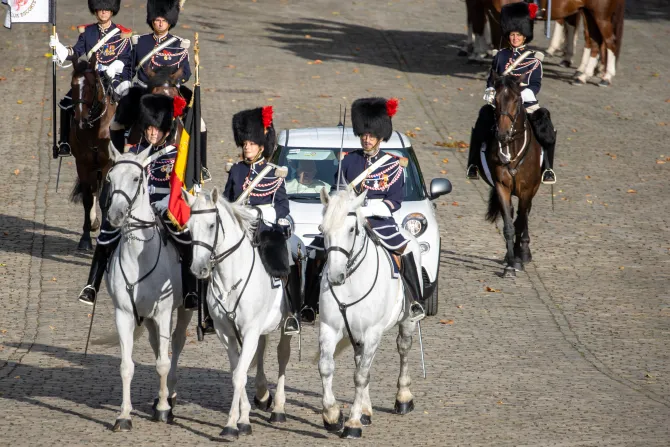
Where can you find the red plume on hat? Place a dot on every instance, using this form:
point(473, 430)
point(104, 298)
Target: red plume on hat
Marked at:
point(178, 106)
point(532, 10)
point(391, 107)
point(266, 114)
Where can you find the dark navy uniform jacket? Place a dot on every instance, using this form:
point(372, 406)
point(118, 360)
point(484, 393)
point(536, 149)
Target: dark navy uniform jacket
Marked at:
point(158, 171)
point(117, 48)
point(530, 70)
point(270, 190)
point(171, 56)
point(387, 183)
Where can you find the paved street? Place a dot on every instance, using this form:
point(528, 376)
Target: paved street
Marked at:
point(574, 351)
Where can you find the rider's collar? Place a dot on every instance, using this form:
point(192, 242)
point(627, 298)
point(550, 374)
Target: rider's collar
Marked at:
point(519, 49)
point(259, 158)
point(160, 39)
point(104, 31)
point(372, 153)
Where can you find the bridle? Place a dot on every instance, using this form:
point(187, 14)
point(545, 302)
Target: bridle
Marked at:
point(215, 258)
point(352, 266)
point(511, 136)
point(95, 105)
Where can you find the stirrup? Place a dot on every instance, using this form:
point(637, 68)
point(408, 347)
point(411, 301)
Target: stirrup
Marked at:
point(64, 149)
point(472, 173)
point(82, 295)
point(191, 301)
point(308, 315)
point(549, 182)
point(291, 330)
point(206, 176)
point(416, 312)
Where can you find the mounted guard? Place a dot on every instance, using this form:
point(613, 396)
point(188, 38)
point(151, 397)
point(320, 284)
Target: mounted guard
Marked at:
point(381, 176)
point(111, 44)
point(159, 119)
point(516, 21)
point(250, 183)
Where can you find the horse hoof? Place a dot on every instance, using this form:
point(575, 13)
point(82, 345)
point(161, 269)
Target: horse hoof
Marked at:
point(244, 429)
point(578, 74)
point(604, 83)
point(526, 258)
point(565, 64)
point(352, 432)
point(518, 265)
point(366, 420)
point(230, 432)
point(277, 418)
point(122, 425)
point(334, 428)
point(509, 272)
point(263, 406)
point(95, 226)
point(85, 245)
point(403, 407)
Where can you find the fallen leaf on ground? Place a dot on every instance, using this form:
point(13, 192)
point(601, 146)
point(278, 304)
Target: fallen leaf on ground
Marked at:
point(660, 162)
point(631, 191)
point(4, 331)
point(454, 203)
point(2, 78)
point(16, 172)
point(186, 26)
point(460, 306)
point(417, 128)
point(220, 36)
point(355, 70)
point(445, 160)
point(325, 96)
point(435, 153)
point(500, 402)
point(491, 289)
point(295, 121)
point(411, 134)
point(443, 172)
point(587, 177)
point(622, 267)
point(318, 61)
point(53, 278)
point(19, 102)
point(446, 321)
point(52, 327)
point(307, 36)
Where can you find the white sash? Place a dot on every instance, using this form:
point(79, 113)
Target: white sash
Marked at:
point(154, 51)
point(100, 43)
point(240, 200)
point(365, 173)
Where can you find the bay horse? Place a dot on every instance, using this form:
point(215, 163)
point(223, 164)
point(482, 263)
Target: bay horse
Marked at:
point(513, 158)
point(89, 137)
point(604, 20)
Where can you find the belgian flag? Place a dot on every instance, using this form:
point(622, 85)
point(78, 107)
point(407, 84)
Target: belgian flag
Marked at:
point(187, 170)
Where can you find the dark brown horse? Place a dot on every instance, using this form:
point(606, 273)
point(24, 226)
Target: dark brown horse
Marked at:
point(89, 138)
point(513, 157)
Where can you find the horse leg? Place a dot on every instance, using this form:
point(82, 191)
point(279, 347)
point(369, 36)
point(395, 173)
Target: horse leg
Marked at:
point(161, 328)
point(178, 341)
point(571, 24)
point(607, 32)
point(521, 239)
point(404, 401)
point(591, 49)
point(283, 356)
point(125, 326)
point(353, 428)
point(505, 199)
point(524, 211)
point(85, 243)
point(238, 417)
point(263, 398)
point(557, 39)
point(331, 413)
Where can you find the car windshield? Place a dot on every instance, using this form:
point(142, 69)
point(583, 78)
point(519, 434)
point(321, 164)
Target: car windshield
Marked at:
point(312, 169)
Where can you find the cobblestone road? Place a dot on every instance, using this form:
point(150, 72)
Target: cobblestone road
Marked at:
point(572, 352)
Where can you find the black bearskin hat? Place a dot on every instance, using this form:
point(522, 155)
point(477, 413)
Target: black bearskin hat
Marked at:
point(519, 17)
point(109, 5)
point(157, 111)
point(255, 125)
point(168, 9)
point(373, 115)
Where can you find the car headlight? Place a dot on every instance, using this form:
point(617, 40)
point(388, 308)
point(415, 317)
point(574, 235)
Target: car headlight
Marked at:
point(415, 223)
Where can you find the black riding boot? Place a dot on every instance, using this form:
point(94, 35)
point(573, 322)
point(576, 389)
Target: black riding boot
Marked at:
point(472, 172)
point(545, 134)
point(118, 138)
point(294, 300)
point(63, 149)
point(479, 135)
point(411, 281)
point(207, 323)
point(95, 274)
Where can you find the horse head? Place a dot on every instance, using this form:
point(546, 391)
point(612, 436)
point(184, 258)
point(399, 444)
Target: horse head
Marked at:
point(127, 184)
point(508, 107)
point(341, 226)
point(164, 80)
point(87, 93)
point(215, 226)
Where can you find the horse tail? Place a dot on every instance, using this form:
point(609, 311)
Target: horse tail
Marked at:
point(77, 193)
point(341, 346)
point(494, 207)
point(112, 338)
point(617, 21)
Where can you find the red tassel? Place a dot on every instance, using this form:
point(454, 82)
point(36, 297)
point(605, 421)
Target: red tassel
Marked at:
point(266, 112)
point(391, 107)
point(532, 10)
point(178, 106)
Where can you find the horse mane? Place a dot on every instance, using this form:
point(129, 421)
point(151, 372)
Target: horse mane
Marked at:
point(334, 215)
point(509, 82)
point(247, 220)
point(79, 67)
point(162, 77)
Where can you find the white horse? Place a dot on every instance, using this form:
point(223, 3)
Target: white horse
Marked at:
point(359, 301)
point(144, 281)
point(244, 302)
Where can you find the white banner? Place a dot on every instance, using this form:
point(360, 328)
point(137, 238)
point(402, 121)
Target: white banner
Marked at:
point(28, 11)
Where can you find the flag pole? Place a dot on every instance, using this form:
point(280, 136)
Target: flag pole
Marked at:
point(54, 59)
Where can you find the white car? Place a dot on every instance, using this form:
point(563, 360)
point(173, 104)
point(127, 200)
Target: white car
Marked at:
point(314, 152)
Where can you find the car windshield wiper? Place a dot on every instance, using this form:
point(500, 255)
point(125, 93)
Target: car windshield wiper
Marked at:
point(304, 198)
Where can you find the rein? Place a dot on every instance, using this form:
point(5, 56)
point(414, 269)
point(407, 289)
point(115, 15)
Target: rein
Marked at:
point(215, 259)
point(95, 104)
point(506, 156)
point(132, 223)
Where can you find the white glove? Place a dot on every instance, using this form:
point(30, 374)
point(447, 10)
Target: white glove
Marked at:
point(122, 88)
point(527, 95)
point(61, 50)
point(114, 68)
point(162, 204)
point(376, 208)
point(489, 95)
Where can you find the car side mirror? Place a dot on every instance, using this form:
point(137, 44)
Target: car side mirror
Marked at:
point(439, 187)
